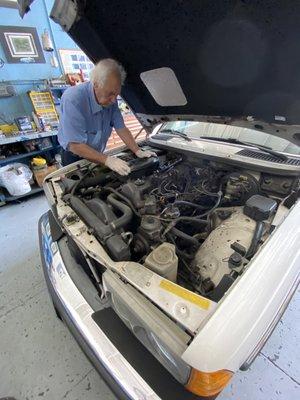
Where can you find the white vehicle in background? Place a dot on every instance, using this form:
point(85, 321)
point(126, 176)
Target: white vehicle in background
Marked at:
point(172, 278)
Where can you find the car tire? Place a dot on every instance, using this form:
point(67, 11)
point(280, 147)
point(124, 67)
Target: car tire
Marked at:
point(57, 313)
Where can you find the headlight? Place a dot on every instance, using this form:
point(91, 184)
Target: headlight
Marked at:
point(161, 336)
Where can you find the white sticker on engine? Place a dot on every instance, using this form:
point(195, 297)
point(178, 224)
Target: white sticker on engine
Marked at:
point(279, 118)
point(141, 276)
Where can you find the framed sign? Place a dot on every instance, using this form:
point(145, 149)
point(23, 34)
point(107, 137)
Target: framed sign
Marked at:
point(74, 61)
point(21, 44)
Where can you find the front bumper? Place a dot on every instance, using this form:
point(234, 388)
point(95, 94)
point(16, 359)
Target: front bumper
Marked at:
point(77, 313)
point(81, 319)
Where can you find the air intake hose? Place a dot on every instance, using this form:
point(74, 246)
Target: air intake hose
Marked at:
point(127, 212)
point(102, 230)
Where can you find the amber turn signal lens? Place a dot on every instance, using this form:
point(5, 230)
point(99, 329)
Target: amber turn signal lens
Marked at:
point(208, 383)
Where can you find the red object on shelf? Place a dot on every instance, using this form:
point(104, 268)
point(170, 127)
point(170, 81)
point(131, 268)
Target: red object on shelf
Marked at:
point(75, 79)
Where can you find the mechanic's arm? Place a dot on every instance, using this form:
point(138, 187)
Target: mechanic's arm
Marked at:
point(128, 139)
point(85, 151)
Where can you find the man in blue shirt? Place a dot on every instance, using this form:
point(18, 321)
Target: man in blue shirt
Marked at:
point(89, 111)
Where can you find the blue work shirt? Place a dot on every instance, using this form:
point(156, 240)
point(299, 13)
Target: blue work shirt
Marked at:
point(83, 120)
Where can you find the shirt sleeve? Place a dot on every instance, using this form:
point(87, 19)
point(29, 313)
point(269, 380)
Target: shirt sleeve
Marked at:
point(73, 123)
point(117, 118)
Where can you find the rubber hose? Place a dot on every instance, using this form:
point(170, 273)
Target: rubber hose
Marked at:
point(181, 253)
point(189, 203)
point(124, 198)
point(102, 230)
point(94, 180)
point(127, 213)
point(197, 217)
point(193, 220)
point(185, 237)
point(77, 183)
point(255, 240)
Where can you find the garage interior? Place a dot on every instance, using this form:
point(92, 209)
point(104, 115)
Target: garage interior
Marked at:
point(39, 358)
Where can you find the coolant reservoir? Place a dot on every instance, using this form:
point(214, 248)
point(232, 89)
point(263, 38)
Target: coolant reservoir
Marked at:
point(163, 261)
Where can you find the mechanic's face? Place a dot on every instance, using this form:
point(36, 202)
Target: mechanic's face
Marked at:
point(107, 94)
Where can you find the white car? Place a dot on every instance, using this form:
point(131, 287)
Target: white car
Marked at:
point(173, 278)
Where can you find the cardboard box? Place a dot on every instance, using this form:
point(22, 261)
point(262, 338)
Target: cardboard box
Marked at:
point(40, 174)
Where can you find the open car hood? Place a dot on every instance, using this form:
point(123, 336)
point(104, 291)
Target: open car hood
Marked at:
point(24, 6)
point(234, 62)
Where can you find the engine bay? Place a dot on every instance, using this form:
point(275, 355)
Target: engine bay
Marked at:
point(195, 222)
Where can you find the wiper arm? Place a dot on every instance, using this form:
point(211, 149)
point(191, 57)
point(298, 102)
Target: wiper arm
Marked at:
point(176, 133)
point(267, 149)
point(261, 147)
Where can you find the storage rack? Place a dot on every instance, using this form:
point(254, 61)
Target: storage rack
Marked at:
point(24, 157)
point(43, 105)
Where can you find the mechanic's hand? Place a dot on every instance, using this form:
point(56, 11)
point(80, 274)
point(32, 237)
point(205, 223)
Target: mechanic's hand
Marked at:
point(117, 165)
point(145, 153)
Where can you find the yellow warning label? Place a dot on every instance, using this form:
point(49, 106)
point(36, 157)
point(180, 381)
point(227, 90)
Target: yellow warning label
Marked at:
point(185, 294)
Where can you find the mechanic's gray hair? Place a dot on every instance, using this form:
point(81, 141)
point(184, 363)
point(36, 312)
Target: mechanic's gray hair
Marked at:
point(104, 68)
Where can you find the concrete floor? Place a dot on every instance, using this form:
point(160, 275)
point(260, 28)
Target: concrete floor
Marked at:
point(39, 358)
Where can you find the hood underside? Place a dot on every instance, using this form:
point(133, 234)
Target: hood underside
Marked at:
point(233, 62)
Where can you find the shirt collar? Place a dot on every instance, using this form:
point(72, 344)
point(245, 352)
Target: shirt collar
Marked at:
point(94, 105)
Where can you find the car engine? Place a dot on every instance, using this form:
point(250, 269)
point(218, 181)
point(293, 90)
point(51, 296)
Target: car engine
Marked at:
point(196, 223)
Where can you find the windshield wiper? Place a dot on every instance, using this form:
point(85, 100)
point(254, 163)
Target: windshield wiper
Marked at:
point(261, 147)
point(176, 133)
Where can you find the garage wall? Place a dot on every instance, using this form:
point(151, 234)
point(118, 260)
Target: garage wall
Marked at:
point(61, 39)
point(23, 76)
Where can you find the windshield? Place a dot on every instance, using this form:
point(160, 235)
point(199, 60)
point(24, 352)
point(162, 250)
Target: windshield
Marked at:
point(204, 129)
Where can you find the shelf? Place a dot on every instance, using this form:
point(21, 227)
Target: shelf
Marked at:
point(8, 198)
point(18, 157)
point(27, 136)
point(59, 87)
